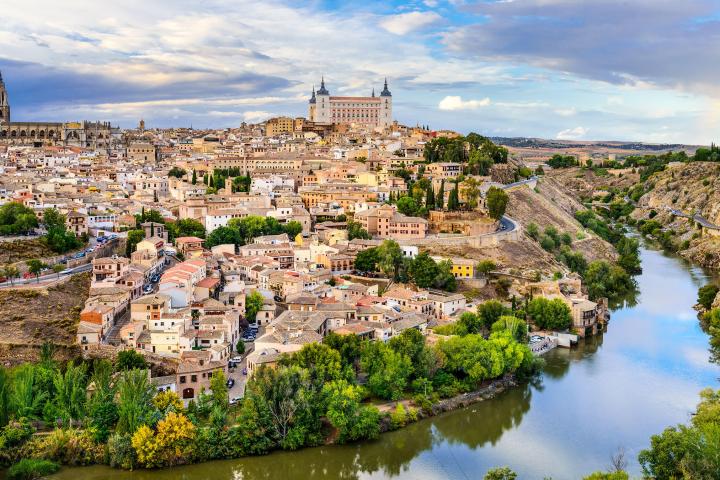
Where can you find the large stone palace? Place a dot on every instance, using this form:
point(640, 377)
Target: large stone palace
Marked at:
point(369, 111)
point(78, 134)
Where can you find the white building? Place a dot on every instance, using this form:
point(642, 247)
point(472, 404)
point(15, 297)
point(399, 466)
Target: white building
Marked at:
point(369, 111)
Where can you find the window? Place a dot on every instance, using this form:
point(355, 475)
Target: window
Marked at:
point(193, 378)
point(182, 379)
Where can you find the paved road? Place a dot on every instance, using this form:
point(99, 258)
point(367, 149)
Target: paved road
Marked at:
point(47, 278)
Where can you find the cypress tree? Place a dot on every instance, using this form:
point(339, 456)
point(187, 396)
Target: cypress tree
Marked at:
point(430, 197)
point(194, 178)
point(440, 200)
point(212, 183)
point(205, 178)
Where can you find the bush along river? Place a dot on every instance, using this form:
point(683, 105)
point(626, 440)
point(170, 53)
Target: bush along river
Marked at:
point(612, 391)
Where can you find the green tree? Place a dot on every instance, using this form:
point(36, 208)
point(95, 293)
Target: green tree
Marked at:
point(407, 206)
point(550, 314)
point(500, 473)
point(490, 312)
point(130, 360)
point(496, 200)
point(186, 227)
point(286, 395)
point(102, 410)
point(440, 199)
point(194, 177)
point(253, 304)
point(11, 272)
point(533, 231)
point(219, 389)
point(429, 198)
point(25, 399)
point(35, 266)
point(355, 230)
point(366, 260)
point(322, 363)
point(344, 412)
point(293, 228)
point(607, 475)
point(629, 254)
point(423, 270)
point(486, 266)
point(512, 324)
point(70, 394)
point(223, 236)
point(240, 347)
point(387, 370)
point(178, 172)
point(133, 238)
point(454, 198)
point(605, 280)
point(249, 227)
point(706, 295)
point(347, 345)
point(16, 218)
point(135, 395)
point(389, 258)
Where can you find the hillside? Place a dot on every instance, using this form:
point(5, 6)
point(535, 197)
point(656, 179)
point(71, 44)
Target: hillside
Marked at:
point(690, 188)
point(548, 205)
point(30, 317)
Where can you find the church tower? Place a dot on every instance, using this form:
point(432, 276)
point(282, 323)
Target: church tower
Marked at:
point(4, 103)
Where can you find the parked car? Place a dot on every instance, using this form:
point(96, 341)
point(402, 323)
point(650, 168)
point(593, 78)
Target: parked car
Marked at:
point(236, 359)
point(148, 289)
point(230, 383)
point(234, 400)
point(244, 371)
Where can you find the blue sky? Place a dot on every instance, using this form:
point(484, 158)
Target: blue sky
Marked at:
point(642, 70)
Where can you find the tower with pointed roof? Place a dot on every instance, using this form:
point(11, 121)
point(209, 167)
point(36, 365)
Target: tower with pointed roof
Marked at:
point(4, 103)
point(371, 112)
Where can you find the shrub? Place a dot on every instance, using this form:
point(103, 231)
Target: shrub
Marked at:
point(399, 417)
point(706, 295)
point(121, 452)
point(67, 447)
point(31, 468)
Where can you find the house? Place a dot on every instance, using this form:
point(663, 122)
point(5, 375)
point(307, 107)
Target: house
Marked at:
point(386, 222)
point(194, 373)
point(189, 247)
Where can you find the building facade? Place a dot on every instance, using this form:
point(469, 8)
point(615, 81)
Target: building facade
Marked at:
point(369, 111)
point(76, 134)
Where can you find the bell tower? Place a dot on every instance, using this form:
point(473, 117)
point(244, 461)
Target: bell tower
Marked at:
point(4, 103)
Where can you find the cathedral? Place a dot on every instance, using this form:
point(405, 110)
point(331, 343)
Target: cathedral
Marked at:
point(372, 111)
point(77, 134)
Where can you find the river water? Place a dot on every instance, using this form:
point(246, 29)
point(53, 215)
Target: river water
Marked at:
point(611, 392)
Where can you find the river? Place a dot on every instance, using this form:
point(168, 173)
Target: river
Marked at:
point(613, 391)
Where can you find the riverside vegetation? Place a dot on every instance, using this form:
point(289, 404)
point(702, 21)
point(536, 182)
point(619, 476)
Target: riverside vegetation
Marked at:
point(99, 412)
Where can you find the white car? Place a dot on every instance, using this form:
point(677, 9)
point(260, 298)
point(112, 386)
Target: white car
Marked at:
point(237, 359)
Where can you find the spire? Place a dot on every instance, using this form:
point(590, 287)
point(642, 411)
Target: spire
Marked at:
point(323, 90)
point(312, 97)
point(373, 94)
point(385, 92)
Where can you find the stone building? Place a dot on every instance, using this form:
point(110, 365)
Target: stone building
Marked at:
point(77, 134)
point(369, 111)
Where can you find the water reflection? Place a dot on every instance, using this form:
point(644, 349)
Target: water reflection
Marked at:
point(613, 390)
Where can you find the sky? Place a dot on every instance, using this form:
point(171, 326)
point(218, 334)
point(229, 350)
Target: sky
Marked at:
point(634, 70)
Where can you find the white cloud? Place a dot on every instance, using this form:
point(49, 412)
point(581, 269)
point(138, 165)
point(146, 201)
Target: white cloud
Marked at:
point(566, 112)
point(572, 133)
point(255, 116)
point(431, 3)
point(453, 102)
point(407, 22)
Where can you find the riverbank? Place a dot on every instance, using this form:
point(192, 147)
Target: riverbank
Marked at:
point(613, 390)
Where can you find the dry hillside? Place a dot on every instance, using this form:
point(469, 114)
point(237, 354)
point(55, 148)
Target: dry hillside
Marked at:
point(549, 205)
point(30, 317)
point(690, 188)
